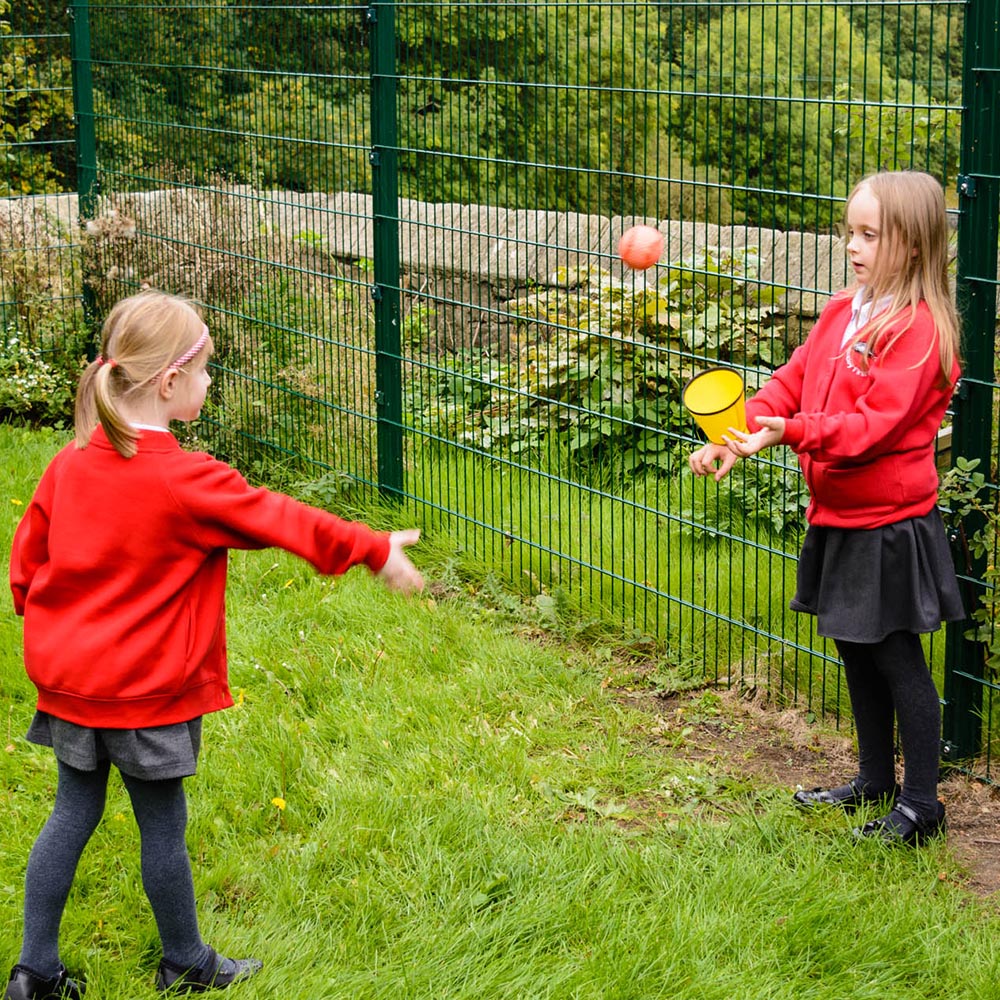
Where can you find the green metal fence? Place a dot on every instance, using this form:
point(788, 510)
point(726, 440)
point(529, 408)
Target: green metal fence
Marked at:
point(970, 681)
point(39, 238)
point(403, 217)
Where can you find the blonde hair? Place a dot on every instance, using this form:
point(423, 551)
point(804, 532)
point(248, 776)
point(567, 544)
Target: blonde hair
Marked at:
point(141, 336)
point(912, 262)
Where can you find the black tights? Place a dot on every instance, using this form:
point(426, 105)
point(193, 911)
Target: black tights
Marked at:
point(886, 679)
point(160, 810)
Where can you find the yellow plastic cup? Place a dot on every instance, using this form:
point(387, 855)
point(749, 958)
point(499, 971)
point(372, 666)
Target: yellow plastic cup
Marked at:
point(715, 399)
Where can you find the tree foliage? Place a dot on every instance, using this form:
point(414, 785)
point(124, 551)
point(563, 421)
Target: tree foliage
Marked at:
point(765, 112)
point(36, 104)
point(801, 99)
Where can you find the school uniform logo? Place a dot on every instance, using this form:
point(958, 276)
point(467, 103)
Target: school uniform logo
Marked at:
point(858, 359)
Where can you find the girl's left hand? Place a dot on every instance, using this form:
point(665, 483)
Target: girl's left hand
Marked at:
point(712, 460)
point(399, 573)
point(746, 444)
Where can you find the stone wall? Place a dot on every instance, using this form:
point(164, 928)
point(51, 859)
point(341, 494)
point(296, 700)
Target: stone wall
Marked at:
point(466, 261)
point(510, 249)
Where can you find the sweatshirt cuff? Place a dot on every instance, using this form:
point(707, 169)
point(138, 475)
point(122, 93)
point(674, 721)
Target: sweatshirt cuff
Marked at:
point(379, 553)
point(794, 430)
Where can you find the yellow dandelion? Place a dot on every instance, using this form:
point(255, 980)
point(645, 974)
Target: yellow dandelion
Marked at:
point(278, 802)
point(16, 502)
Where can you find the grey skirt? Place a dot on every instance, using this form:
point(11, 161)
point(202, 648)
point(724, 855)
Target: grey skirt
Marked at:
point(151, 754)
point(863, 585)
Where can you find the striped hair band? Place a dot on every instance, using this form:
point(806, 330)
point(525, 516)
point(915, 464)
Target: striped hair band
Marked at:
point(186, 356)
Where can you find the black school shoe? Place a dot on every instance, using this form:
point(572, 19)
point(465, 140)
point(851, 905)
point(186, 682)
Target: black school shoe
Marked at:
point(848, 797)
point(207, 977)
point(25, 984)
point(903, 826)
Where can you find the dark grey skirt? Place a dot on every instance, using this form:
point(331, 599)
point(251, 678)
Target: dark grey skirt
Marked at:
point(862, 585)
point(151, 754)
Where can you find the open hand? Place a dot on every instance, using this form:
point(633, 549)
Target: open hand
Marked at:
point(743, 444)
point(398, 573)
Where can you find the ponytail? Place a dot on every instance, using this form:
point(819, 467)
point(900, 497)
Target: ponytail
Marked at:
point(96, 403)
point(85, 411)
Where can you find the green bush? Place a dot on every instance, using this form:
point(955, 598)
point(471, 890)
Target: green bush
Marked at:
point(973, 512)
point(596, 381)
point(33, 388)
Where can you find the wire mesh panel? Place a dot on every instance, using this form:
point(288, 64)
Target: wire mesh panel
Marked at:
point(403, 219)
point(232, 147)
point(39, 242)
point(544, 378)
point(971, 723)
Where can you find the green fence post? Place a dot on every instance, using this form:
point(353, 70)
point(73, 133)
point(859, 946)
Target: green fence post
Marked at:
point(385, 221)
point(979, 190)
point(83, 117)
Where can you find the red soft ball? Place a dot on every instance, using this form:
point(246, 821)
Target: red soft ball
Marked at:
point(640, 247)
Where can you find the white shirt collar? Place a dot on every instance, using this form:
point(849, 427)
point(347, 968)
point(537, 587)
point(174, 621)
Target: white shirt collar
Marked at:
point(861, 312)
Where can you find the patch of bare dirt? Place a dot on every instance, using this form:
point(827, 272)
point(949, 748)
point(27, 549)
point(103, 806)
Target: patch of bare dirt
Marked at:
point(747, 740)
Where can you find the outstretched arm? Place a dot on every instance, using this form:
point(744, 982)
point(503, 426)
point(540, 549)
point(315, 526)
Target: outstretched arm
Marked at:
point(398, 572)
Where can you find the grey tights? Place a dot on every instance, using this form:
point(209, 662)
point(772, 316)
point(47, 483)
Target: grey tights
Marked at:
point(160, 809)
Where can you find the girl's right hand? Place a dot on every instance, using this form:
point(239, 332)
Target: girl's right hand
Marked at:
point(398, 573)
point(744, 444)
point(703, 461)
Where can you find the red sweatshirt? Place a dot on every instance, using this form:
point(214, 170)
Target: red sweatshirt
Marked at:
point(865, 440)
point(119, 568)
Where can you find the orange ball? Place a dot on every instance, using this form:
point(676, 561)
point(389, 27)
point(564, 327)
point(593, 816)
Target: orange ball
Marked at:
point(640, 247)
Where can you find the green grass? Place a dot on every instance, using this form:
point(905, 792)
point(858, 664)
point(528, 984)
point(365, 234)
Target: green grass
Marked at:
point(470, 813)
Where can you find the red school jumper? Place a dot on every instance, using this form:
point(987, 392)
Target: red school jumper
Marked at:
point(119, 569)
point(864, 438)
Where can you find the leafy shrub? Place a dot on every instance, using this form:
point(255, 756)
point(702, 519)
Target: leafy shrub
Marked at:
point(766, 497)
point(973, 514)
point(43, 336)
point(32, 387)
point(36, 103)
point(597, 380)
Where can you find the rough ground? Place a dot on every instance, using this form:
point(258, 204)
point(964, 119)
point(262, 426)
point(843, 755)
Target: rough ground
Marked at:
point(781, 749)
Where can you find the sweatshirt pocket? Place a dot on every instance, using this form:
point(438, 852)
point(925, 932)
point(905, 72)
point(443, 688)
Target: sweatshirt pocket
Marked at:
point(848, 487)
